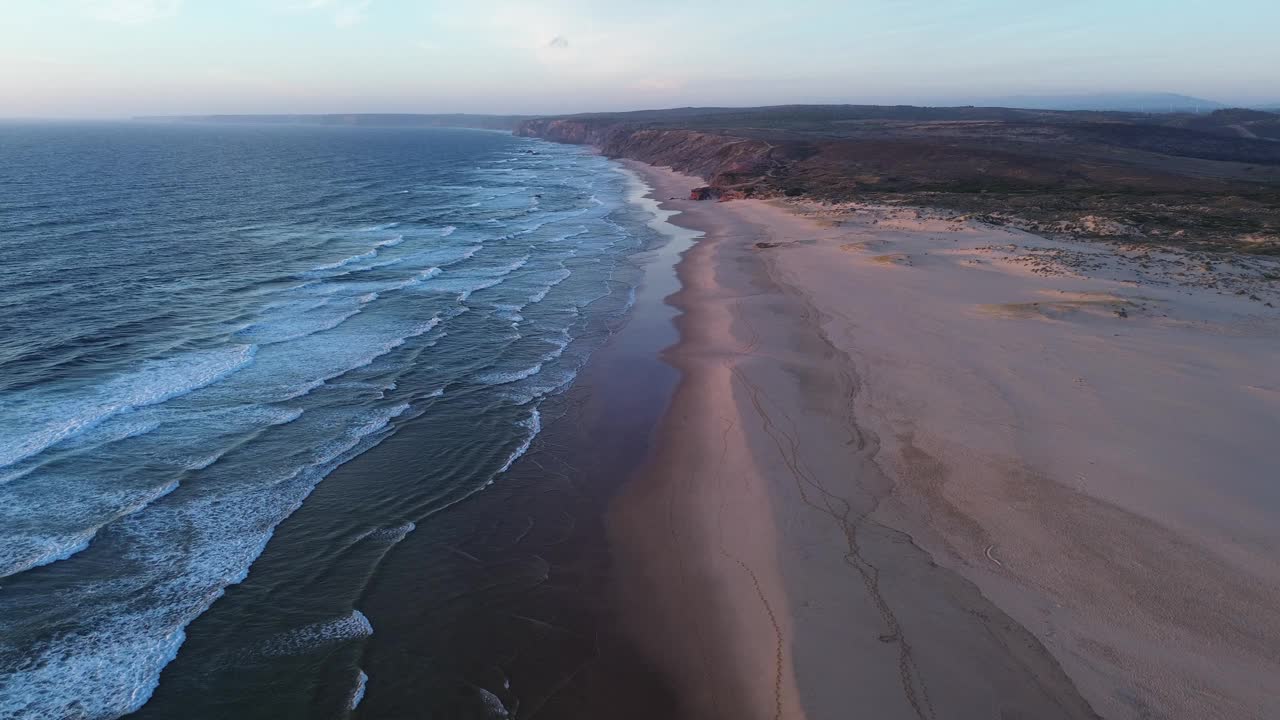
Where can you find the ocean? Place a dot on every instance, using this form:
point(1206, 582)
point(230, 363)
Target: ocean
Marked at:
point(243, 367)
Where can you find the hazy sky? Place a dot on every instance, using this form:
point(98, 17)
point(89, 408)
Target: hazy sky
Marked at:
point(127, 57)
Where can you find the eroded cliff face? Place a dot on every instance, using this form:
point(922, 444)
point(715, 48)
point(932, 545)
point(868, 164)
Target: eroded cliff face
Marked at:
point(733, 166)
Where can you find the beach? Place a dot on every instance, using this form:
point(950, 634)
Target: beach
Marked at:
point(919, 466)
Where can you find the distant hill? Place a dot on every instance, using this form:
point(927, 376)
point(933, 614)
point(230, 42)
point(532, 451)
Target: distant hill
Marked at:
point(1114, 102)
point(1233, 122)
point(484, 122)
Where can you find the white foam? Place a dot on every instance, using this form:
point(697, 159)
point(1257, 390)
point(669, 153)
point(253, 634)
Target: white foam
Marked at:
point(502, 378)
point(24, 553)
point(447, 230)
point(119, 429)
point(203, 461)
point(77, 518)
point(559, 277)
point(470, 252)
point(315, 366)
point(510, 313)
point(512, 266)
point(179, 557)
point(114, 430)
point(541, 386)
point(381, 264)
point(362, 681)
point(533, 424)
point(562, 238)
point(338, 294)
point(560, 344)
point(466, 282)
point(493, 705)
point(482, 285)
point(31, 423)
point(341, 263)
point(125, 676)
point(295, 327)
point(352, 626)
point(391, 535)
point(446, 256)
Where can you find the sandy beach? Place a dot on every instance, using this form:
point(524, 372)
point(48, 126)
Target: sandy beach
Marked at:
point(922, 467)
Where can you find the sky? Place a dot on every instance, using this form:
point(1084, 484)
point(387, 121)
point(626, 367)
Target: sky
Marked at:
point(119, 58)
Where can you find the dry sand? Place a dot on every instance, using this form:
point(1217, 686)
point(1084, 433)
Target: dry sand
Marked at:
point(928, 468)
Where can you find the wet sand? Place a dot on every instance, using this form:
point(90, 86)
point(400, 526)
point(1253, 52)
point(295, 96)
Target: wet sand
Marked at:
point(902, 477)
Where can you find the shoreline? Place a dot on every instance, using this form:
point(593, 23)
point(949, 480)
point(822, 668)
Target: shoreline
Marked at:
point(760, 408)
point(492, 601)
point(818, 529)
point(531, 629)
point(720, 661)
point(470, 597)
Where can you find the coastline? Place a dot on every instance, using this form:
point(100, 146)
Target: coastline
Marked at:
point(749, 459)
point(693, 604)
point(865, 491)
point(534, 631)
point(475, 601)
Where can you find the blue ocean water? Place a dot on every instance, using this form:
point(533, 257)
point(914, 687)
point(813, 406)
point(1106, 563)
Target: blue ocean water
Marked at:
point(199, 323)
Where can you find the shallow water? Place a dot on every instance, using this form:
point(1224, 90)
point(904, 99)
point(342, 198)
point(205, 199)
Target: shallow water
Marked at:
point(199, 324)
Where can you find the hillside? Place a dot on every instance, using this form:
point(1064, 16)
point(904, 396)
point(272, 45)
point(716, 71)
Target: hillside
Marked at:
point(1127, 102)
point(1172, 178)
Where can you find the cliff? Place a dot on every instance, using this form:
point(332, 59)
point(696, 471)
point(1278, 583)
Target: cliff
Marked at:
point(733, 166)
